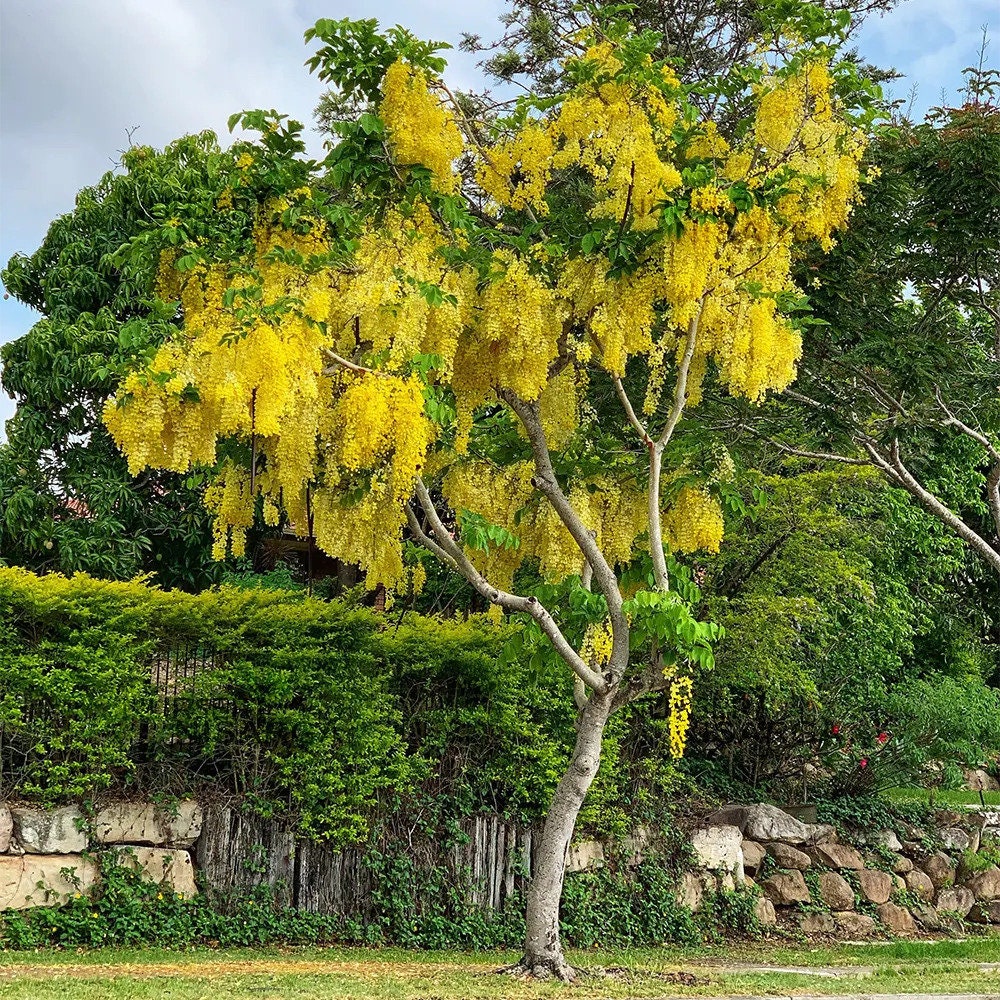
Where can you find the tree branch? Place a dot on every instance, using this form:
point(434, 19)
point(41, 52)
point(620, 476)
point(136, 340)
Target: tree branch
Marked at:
point(444, 543)
point(546, 483)
point(893, 466)
point(953, 421)
point(680, 389)
point(344, 363)
point(656, 454)
point(630, 411)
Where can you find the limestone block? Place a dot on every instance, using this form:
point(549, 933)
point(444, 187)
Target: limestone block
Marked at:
point(719, 848)
point(881, 838)
point(901, 864)
point(633, 847)
point(788, 857)
point(927, 916)
point(817, 923)
point(917, 882)
point(875, 886)
point(170, 868)
point(835, 891)
point(838, 856)
point(979, 780)
point(897, 920)
point(6, 828)
point(586, 854)
point(986, 885)
point(50, 831)
point(146, 823)
point(957, 899)
point(887, 838)
point(689, 892)
point(990, 821)
point(129, 823)
point(61, 876)
point(764, 822)
point(986, 913)
point(854, 925)
point(786, 888)
point(753, 855)
point(184, 821)
point(956, 839)
point(764, 909)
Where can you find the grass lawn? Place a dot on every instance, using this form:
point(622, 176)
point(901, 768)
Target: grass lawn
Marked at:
point(314, 973)
point(959, 797)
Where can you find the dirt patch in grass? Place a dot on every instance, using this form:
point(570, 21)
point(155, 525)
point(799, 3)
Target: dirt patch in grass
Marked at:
point(210, 969)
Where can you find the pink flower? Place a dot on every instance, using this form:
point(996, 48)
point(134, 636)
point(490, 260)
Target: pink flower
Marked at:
point(835, 729)
point(863, 763)
point(882, 737)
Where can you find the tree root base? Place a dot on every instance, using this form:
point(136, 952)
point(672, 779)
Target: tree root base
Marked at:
point(542, 969)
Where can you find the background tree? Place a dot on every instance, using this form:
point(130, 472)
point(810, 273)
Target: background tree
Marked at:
point(66, 497)
point(847, 610)
point(706, 37)
point(904, 376)
point(410, 354)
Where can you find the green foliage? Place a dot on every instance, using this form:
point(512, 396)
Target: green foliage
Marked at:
point(292, 709)
point(873, 812)
point(307, 709)
point(67, 501)
point(835, 595)
point(622, 908)
point(95, 692)
point(411, 906)
point(130, 910)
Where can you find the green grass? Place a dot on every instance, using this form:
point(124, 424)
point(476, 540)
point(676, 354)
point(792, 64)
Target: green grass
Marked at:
point(313, 973)
point(943, 797)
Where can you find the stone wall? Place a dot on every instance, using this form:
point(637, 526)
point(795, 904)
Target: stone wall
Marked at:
point(858, 884)
point(809, 877)
point(47, 856)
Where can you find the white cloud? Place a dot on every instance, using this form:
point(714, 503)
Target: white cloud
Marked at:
point(930, 42)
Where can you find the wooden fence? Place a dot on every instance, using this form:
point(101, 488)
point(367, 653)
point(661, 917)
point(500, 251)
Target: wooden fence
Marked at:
point(238, 852)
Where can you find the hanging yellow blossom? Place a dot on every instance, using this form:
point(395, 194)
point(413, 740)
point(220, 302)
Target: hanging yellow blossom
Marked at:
point(420, 129)
point(694, 522)
point(680, 715)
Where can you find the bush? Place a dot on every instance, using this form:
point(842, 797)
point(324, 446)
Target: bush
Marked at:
point(325, 714)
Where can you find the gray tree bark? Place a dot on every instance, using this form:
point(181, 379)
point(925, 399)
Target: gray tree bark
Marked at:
point(543, 952)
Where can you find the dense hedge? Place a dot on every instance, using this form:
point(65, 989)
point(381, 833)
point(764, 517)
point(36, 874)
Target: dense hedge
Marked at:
point(609, 907)
point(306, 708)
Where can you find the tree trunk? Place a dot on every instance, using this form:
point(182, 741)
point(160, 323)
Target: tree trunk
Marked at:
point(543, 954)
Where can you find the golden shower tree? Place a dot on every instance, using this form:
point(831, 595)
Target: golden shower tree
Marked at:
point(472, 332)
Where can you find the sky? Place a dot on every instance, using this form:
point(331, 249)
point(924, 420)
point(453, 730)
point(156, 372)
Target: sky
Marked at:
point(76, 76)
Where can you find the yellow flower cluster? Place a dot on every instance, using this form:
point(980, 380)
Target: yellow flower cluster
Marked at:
point(680, 715)
point(378, 423)
point(513, 339)
point(617, 131)
point(498, 495)
point(560, 409)
point(516, 171)
point(230, 503)
point(618, 313)
point(420, 130)
point(365, 532)
point(342, 448)
point(614, 512)
point(694, 522)
point(597, 644)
